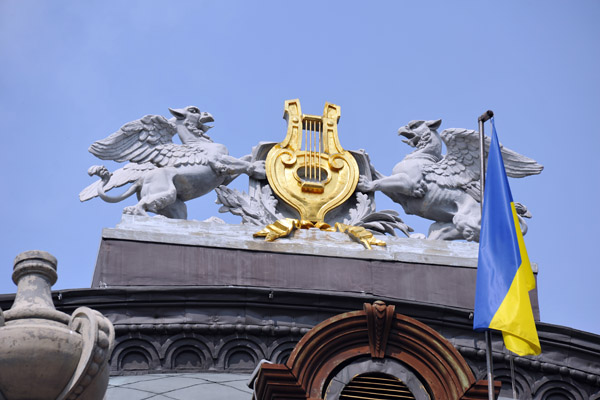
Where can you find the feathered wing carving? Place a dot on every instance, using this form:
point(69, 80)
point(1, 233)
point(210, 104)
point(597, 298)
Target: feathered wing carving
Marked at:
point(148, 139)
point(175, 155)
point(136, 141)
point(460, 168)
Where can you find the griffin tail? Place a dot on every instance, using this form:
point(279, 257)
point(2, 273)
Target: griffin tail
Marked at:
point(522, 213)
point(105, 175)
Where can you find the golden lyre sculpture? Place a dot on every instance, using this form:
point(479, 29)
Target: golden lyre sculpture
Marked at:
point(311, 172)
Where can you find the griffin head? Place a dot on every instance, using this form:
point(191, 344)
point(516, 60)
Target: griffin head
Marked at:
point(418, 133)
point(193, 119)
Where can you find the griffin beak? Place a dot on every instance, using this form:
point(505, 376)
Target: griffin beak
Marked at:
point(412, 138)
point(206, 117)
point(178, 113)
point(406, 132)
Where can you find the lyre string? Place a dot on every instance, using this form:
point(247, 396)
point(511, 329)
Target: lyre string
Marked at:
point(312, 150)
point(314, 171)
point(305, 146)
point(309, 133)
point(320, 145)
point(310, 153)
point(313, 131)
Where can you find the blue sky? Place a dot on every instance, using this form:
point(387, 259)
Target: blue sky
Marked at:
point(73, 72)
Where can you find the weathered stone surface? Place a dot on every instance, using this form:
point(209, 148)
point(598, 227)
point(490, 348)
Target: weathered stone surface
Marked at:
point(144, 251)
point(66, 357)
point(228, 329)
point(310, 241)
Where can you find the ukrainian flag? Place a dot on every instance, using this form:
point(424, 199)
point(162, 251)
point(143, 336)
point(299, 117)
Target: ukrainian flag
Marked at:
point(504, 275)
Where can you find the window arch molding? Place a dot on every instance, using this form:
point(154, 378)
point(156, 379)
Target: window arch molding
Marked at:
point(377, 332)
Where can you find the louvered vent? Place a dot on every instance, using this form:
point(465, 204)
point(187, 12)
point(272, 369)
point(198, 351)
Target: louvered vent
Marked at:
point(375, 387)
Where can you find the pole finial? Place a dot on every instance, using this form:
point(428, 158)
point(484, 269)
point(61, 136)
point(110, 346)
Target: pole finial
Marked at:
point(486, 115)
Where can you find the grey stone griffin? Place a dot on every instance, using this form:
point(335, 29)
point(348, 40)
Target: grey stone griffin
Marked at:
point(164, 175)
point(445, 188)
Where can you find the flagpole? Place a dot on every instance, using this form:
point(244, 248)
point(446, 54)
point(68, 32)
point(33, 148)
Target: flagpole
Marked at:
point(512, 377)
point(488, 335)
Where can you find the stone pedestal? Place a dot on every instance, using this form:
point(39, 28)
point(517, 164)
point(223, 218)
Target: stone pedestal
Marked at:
point(151, 251)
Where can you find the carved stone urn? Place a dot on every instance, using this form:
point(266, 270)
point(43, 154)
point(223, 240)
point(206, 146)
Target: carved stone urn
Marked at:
point(45, 353)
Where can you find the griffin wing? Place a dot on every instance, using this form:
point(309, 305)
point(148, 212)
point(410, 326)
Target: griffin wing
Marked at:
point(148, 140)
point(137, 141)
point(175, 155)
point(129, 173)
point(460, 168)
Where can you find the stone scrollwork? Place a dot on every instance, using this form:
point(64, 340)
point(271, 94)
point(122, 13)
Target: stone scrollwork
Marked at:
point(98, 337)
point(260, 209)
point(66, 357)
point(310, 183)
point(364, 214)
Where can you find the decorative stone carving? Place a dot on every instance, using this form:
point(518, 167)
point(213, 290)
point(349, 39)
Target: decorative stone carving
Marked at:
point(311, 183)
point(45, 353)
point(165, 175)
point(444, 188)
point(224, 347)
point(163, 345)
point(347, 338)
point(379, 322)
point(260, 206)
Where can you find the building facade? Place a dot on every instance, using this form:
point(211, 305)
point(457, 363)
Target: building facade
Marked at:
point(188, 296)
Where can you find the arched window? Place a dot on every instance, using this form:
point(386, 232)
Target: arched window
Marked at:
point(376, 386)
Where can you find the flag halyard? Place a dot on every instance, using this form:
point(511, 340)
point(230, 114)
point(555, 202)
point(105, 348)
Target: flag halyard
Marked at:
point(504, 274)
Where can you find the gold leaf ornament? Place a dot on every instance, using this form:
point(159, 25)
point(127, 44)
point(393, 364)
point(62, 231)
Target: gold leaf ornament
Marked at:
point(310, 171)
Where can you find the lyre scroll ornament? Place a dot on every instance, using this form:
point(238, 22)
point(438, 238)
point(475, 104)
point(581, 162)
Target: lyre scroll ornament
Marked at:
point(311, 172)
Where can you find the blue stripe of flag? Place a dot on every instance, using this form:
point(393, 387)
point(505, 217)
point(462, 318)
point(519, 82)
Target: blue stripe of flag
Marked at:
point(499, 255)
